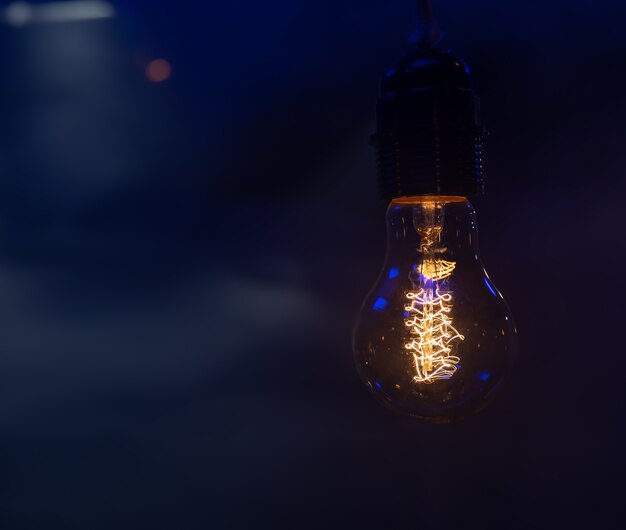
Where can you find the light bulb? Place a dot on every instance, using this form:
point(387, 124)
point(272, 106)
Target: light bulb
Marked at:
point(434, 338)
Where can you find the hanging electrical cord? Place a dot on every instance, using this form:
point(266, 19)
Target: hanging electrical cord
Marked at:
point(428, 33)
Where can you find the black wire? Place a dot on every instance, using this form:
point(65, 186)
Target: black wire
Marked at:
point(428, 33)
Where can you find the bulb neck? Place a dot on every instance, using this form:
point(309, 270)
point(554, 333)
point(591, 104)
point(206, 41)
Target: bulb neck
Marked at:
point(453, 217)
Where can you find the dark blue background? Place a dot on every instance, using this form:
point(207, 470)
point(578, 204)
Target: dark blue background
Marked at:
point(181, 264)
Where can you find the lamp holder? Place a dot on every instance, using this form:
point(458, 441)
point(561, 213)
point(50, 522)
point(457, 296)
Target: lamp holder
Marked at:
point(428, 133)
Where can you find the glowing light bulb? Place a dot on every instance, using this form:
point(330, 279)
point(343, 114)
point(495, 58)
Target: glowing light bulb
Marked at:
point(434, 338)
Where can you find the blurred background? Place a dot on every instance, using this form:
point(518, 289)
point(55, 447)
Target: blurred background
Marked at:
point(189, 222)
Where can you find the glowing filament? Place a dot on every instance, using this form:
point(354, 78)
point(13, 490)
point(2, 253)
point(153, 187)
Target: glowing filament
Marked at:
point(432, 335)
point(436, 269)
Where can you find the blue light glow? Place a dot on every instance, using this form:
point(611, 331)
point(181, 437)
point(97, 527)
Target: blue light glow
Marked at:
point(484, 376)
point(380, 304)
point(380, 387)
point(491, 289)
point(394, 273)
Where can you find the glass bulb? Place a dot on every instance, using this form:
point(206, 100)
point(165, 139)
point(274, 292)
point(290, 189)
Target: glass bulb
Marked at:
point(434, 338)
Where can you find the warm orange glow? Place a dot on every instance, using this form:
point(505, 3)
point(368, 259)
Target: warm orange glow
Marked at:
point(432, 334)
point(428, 199)
point(158, 70)
point(436, 269)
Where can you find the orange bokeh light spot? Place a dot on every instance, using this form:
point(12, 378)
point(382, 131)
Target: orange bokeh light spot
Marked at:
point(158, 70)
